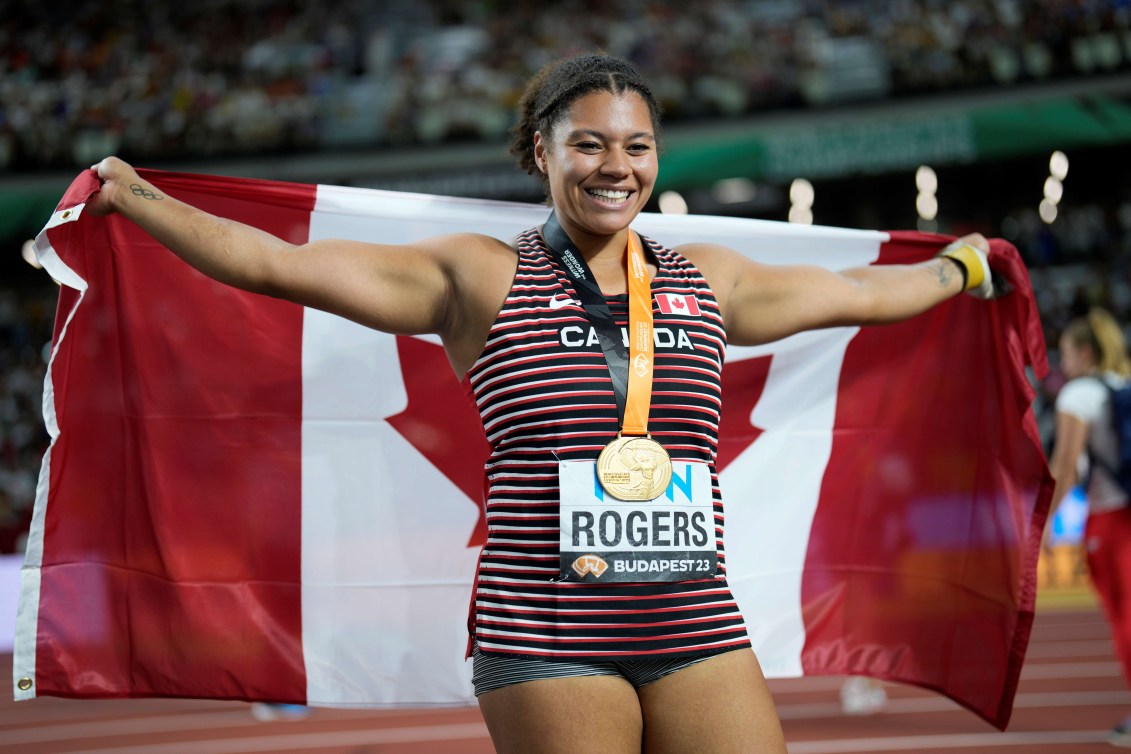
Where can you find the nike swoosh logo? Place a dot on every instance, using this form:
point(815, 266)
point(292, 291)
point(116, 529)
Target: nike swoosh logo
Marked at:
point(559, 303)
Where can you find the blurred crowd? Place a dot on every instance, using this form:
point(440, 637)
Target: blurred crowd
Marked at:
point(26, 317)
point(213, 77)
point(1082, 259)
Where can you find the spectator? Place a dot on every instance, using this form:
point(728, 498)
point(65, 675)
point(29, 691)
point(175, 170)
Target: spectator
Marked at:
point(274, 75)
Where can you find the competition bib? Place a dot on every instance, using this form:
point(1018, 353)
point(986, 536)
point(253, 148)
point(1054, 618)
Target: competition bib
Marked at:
point(668, 538)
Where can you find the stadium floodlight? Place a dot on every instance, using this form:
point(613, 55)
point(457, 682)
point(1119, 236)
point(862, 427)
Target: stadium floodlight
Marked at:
point(800, 215)
point(801, 193)
point(928, 205)
point(1058, 165)
point(673, 203)
point(28, 253)
point(926, 180)
point(1047, 211)
point(1054, 189)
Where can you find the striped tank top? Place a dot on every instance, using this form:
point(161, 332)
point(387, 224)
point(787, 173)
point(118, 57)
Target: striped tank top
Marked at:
point(544, 394)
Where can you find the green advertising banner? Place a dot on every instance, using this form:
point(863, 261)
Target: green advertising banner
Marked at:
point(821, 146)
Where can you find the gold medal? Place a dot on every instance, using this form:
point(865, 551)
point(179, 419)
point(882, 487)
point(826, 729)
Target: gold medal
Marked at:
point(634, 467)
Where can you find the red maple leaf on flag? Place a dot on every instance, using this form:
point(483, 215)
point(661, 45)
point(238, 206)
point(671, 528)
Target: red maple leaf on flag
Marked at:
point(442, 423)
point(743, 383)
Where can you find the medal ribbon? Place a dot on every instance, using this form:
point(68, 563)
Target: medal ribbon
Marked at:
point(639, 342)
point(631, 368)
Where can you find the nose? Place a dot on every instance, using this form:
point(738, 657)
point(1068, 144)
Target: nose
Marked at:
point(616, 164)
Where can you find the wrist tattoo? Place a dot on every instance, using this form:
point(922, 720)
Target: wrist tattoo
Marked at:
point(145, 193)
point(946, 269)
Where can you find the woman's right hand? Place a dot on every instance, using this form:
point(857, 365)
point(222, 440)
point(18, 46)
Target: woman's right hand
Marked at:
point(116, 176)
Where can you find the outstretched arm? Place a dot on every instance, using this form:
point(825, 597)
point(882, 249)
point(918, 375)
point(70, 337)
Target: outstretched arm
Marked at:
point(426, 287)
point(763, 303)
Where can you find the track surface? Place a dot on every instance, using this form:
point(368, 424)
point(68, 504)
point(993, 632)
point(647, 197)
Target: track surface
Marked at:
point(1071, 692)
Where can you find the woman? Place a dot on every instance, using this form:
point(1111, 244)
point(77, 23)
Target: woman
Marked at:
point(617, 650)
point(1093, 357)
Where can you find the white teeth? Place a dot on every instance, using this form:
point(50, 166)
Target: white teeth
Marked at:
point(619, 195)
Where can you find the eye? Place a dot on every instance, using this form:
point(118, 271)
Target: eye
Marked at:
point(588, 146)
point(639, 148)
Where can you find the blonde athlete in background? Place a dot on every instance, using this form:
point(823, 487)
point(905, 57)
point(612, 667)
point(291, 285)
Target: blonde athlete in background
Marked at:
point(566, 662)
point(1093, 356)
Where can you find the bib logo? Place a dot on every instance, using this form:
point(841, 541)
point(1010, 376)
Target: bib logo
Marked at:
point(575, 336)
point(590, 564)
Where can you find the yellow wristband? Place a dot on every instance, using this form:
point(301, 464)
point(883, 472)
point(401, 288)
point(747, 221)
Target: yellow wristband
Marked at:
point(967, 256)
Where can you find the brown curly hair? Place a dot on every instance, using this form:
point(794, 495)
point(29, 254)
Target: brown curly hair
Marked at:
point(551, 92)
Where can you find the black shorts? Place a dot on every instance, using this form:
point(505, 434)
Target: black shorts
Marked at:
point(490, 672)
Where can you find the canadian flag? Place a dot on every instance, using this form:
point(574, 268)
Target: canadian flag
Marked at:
point(245, 499)
point(676, 303)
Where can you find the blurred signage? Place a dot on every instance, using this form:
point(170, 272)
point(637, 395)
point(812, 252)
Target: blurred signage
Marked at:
point(871, 146)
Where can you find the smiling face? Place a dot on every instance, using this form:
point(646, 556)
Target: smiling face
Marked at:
point(601, 162)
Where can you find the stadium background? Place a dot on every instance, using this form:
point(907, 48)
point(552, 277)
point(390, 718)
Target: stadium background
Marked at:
point(852, 97)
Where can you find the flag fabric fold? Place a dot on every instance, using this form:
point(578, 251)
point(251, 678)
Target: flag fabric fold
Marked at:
point(244, 499)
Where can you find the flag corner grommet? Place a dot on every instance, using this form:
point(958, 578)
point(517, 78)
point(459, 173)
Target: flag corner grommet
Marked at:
point(24, 684)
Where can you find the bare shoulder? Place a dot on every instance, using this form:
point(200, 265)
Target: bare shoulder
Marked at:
point(708, 254)
point(472, 258)
point(721, 265)
point(476, 246)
